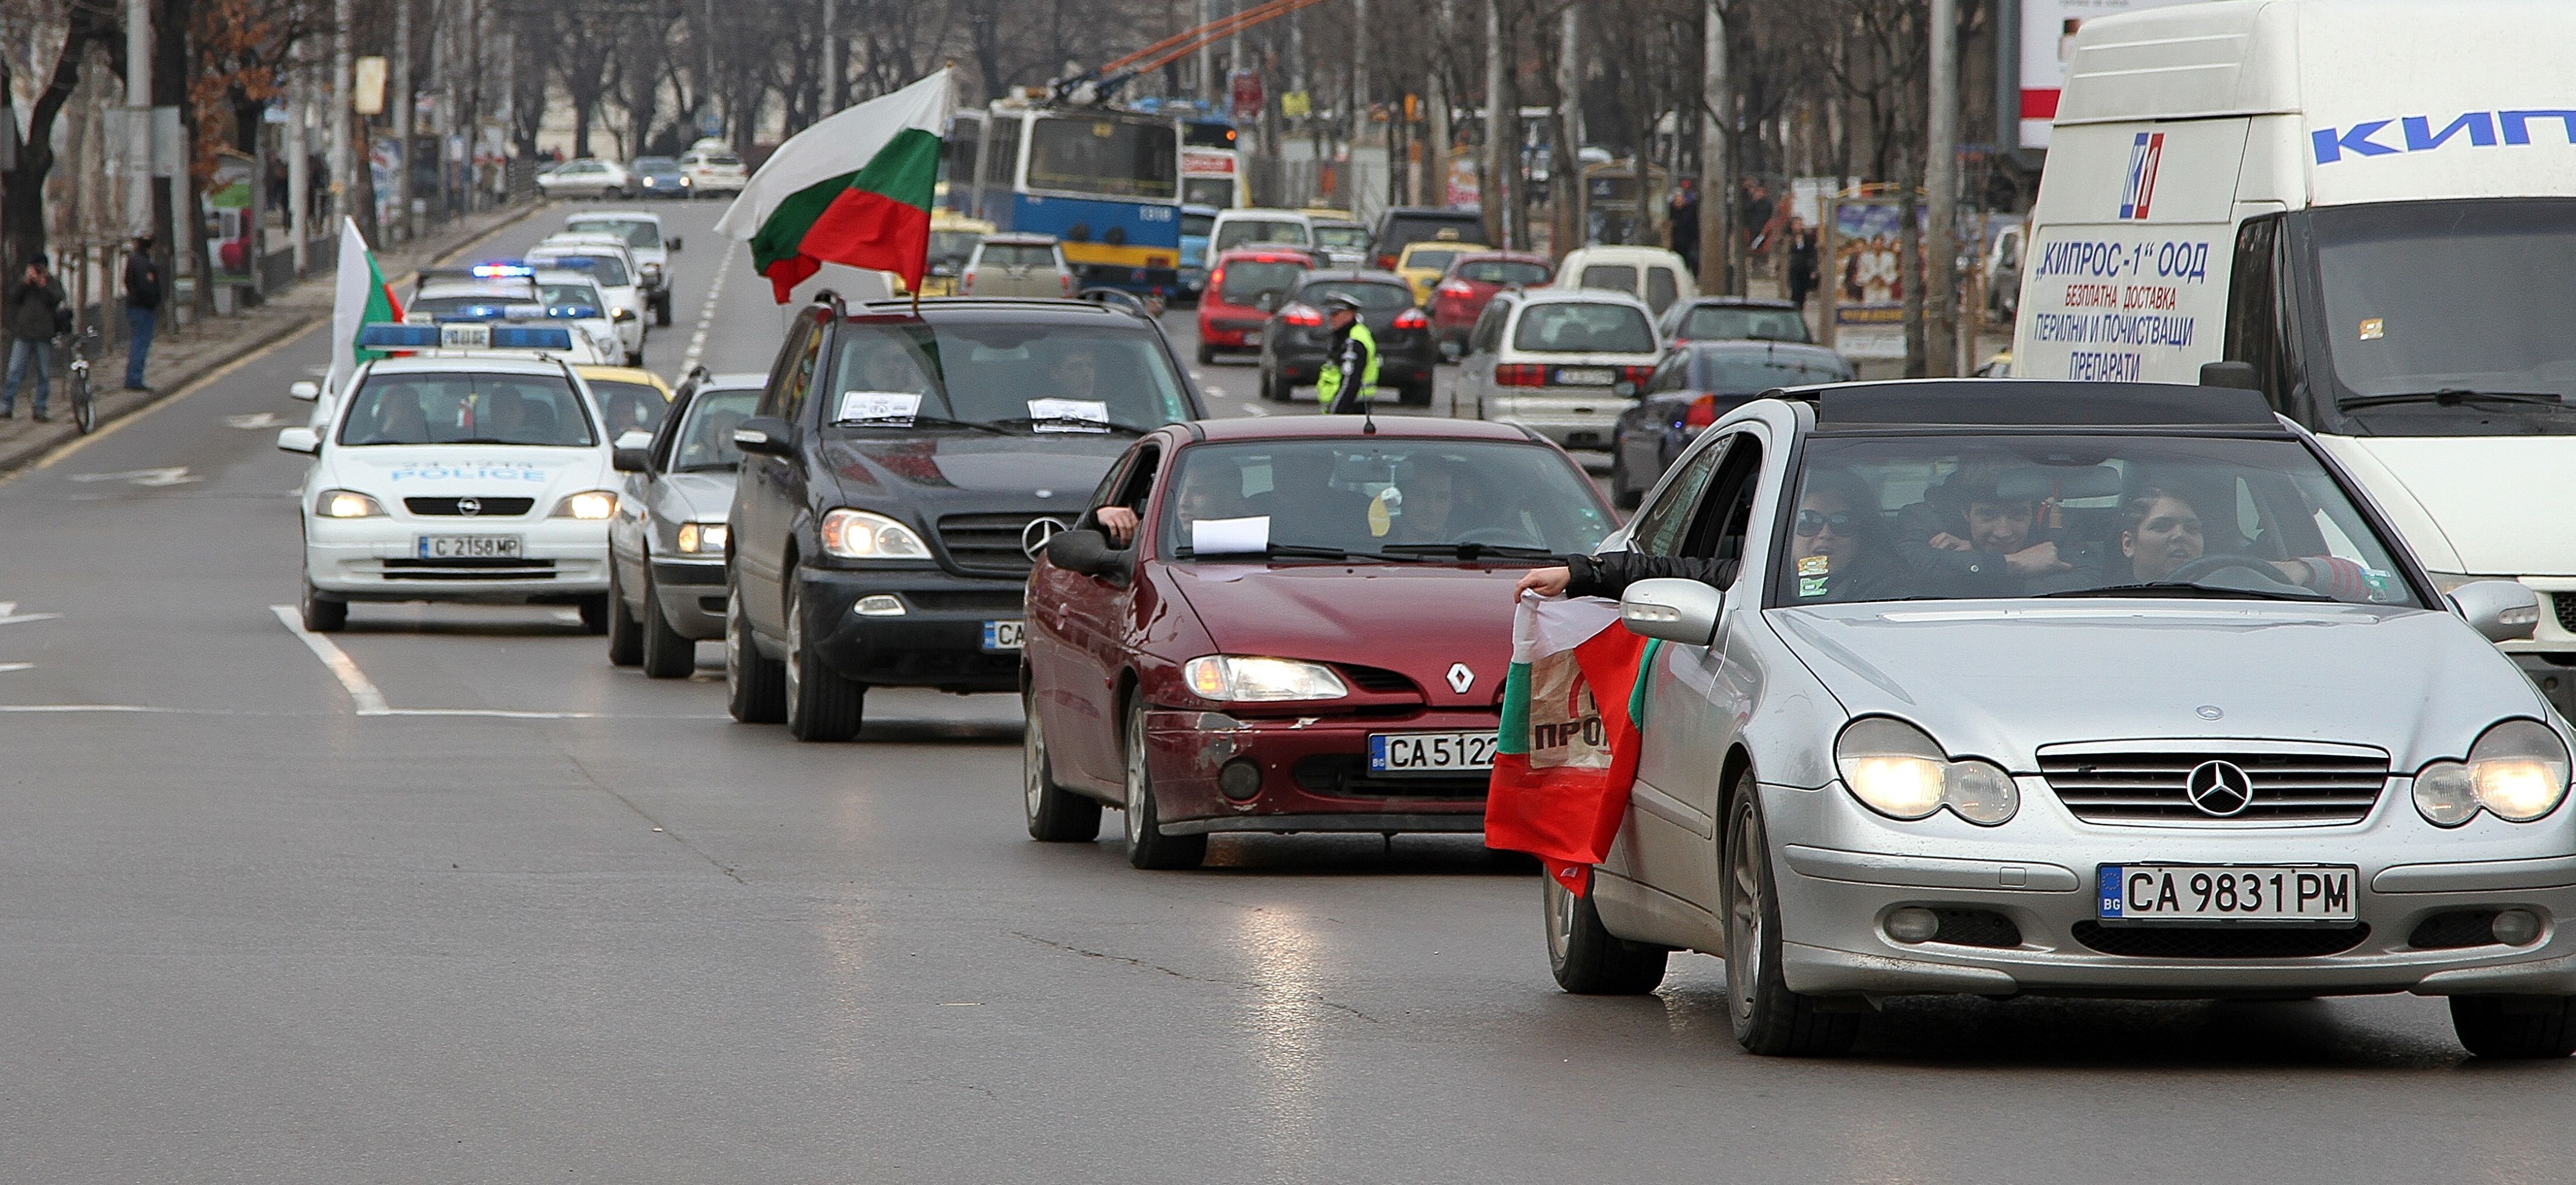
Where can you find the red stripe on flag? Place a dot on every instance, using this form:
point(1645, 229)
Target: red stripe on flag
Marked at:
point(864, 229)
point(1568, 817)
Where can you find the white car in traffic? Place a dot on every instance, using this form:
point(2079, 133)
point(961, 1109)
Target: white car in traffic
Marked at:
point(644, 238)
point(619, 279)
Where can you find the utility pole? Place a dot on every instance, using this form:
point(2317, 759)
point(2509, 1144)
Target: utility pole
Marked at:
point(1207, 55)
point(1573, 226)
point(1491, 189)
point(1941, 178)
point(1435, 163)
point(1359, 103)
point(344, 172)
point(401, 102)
point(829, 100)
point(1716, 160)
point(299, 159)
point(707, 82)
point(138, 116)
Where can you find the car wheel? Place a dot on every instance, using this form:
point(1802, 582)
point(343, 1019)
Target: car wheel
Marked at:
point(822, 704)
point(2515, 1026)
point(1207, 354)
point(1273, 389)
point(1769, 1019)
point(635, 358)
point(594, 613)
point(1147, 845)
point(1055, 814)
point(755, 687)
point(625, 634)
point(667, 654)
point(323, 614)
point(1415, 394)
point(662, 311)
point(1586, 958)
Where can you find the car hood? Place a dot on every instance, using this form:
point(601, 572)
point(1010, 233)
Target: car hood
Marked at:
point(1417, 620)
point(456, 470)
point(707, 497)
point(1999, 679)
point(1064, 464)
point(2483, 505)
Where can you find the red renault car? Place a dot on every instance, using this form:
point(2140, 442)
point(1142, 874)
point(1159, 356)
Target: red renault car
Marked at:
point(1243, 287)
point(1472, 279)
point(1308, 630)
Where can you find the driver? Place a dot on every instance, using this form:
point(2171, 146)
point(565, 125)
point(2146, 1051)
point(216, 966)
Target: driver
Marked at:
point(505, 414)
point(890, 368)
point(2161, 534)
point(1074, 375)
point(1204, 495)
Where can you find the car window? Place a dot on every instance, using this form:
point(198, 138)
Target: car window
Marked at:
point(1402, 229)
point(636, 231)
point(1577, 327)
point(466, 407)
point(705, 439)
point(1661, 289)
point(1374, 296)
point(1347, 238)
point(1247, 281)
point(466, 307)
point(628, 407)
point(1670, 374)
point(1018, 255)
point(1658, 530)
point(1197, 225)
point(953, 247)
point(1725, 514)
point(1503, 271)
point(559, 295)
point(723, 160)
point(1429, 260)
point(988, 373)
point(1414, 496)
point(1616, 277)
point(657, 163)
point(1740, 372)
point(1735, 323)
point(609, 270)
point(1239, 231)
point(782, 371)
point(1975, 516)
point(1488, 334)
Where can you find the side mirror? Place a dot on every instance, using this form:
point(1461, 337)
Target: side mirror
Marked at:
point(631, 460)
point(675, 243)
point(2500, 610)
point(2240, 375)
point(309, 443)
point(768, 436)
point(304, 389)
point(1682, 611)
point(1085, 551)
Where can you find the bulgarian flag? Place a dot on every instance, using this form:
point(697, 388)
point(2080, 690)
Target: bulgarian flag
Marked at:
point(1572, 709)
point(854, 189)
point(360, 298)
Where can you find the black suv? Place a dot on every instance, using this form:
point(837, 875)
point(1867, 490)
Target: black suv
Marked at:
point(1299, 335)
point(899, 474)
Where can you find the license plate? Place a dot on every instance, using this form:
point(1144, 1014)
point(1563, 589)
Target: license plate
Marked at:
point(1430, 752)
point(1573, 438)
point(2201, 892)
point(1584, 376)
point(1004, 635)
point(1252, 337)
point(468, 547)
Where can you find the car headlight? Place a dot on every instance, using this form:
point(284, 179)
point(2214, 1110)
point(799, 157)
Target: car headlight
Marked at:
point(699, 538)
point(588, 504)
point(653, 273)
point(1899, 771)
point(346, 504)
point(2517, 771)
point(859, 535)
point(621, 313)
point(1226, 677)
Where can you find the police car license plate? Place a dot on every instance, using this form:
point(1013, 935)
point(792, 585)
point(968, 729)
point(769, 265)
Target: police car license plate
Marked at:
point(1584, 376)
point(1430, 752)
point(468, 547)
point(2237, 892)
point(1004, 635)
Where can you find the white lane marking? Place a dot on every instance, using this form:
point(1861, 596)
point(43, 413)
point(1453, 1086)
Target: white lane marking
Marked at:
point(255, 420)
point(493, 712)
point(1217, 392)
point(51, 708)
point(60, 709)
point(6, 667)
point(707, 313)
point(1249, 409)
point(370, 701)
point(173, 475)
point(9, 614)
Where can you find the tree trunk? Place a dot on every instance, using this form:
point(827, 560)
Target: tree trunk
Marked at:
point(22, 195)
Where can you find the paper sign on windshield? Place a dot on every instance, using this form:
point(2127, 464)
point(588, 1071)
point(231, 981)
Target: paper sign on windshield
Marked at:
point(1069, 415)
point(878, 407)
point(1230, 536)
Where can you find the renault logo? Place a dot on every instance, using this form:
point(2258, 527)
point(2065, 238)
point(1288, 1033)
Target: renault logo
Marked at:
point(1460, 678)
point(469, 507)
point(2219, 788)
point(1033, 537)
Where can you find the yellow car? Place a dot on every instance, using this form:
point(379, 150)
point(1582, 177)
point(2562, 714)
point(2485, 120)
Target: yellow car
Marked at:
point(631, 398)
point(952, 243)
point(1423, 263)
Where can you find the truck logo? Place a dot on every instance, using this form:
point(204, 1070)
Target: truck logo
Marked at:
point(2144, 154)
point(2417, 133)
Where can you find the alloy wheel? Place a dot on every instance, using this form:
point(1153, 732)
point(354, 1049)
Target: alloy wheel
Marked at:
point(1744, 916)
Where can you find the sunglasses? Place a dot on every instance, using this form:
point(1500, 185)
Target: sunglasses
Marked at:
point(1810, 522)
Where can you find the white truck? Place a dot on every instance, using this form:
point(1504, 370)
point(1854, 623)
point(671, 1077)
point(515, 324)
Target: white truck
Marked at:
point(2366, 209)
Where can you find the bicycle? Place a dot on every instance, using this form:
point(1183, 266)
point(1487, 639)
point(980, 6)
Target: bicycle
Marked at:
point(76, 376)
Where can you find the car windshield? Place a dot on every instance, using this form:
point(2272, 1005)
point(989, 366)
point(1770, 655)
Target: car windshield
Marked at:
point(1014, 376)
point(467, 304)
point(466, 407)
point(1503, 271)
point(2425, 302)
point(1374, 296)
point(1583, 327)
point(1616, 277)
point(1248, 280)
point(1748, 372)
point(1971, 517)
point(655, 164)
point(561, 295)
point(1454, 499)
point(1345, 238)
point(1429, 260)
point(629, 406)
point(609, 270)
point(706, 435)
point(1721, 323)
point(637, 232)
point(1018, 255)
point(1239, 231)
point(1197, 226)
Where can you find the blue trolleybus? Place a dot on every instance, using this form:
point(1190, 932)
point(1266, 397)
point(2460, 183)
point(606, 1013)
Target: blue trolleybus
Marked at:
point(1105, 182)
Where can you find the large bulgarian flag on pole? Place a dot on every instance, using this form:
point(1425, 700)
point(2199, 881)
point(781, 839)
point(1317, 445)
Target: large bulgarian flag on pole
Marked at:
point(854, 189)
point(1567, 756)
point(360, 297)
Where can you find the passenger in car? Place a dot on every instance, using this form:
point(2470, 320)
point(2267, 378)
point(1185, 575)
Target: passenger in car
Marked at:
point(2162, 532)
point(1979, 534)
point(1838, 544)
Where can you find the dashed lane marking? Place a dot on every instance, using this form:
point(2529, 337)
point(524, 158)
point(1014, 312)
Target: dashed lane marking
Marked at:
point(6, 667)
point(255, 421)
point(169, 475)
point(362, 690)
point(707, 313)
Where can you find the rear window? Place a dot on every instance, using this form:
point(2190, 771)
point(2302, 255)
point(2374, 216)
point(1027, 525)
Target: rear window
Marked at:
point(1242, 231)
point(1415, 228)
point(1350, 237)
point(1740, 324)
point(1430, 260)
point(1504, 271)
point(1247, 282)
point(609, 270)
point(1374, 297)
point(1018, 255)
point(1615, 277)
point(952, 247)
point(1577, 328)
point(466, 408)
point(1197, 225)
point(1661, 288)
point(637, 232)
point(1736, 372)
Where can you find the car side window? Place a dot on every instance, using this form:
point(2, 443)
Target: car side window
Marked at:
point(773, 396)
point(1129, 483)
point(1661, 288)
point(800, 379)
point(1659, 528)
point(1725, 515)
point(1489, 328)
point(1668, 374)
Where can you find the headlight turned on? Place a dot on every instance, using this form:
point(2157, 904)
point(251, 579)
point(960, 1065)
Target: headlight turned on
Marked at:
point(346, 504)
point(2517, 771)
point(1899, 771)
point(701, 538)
point(588, 505)
point(1230, 679)
point(860, 535)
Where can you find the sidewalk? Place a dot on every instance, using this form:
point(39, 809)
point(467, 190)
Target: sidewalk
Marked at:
point(183, 358)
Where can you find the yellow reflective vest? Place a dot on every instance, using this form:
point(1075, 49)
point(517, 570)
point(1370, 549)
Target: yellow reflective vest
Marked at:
point(1329, 383)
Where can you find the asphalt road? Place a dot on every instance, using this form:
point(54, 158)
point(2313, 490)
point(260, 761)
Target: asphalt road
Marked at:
point(538, 918)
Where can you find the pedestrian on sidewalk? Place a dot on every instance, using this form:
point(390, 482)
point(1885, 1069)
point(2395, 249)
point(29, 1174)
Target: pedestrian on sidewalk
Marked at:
point(31, 309)
point(1802, 262)
point(142, 309)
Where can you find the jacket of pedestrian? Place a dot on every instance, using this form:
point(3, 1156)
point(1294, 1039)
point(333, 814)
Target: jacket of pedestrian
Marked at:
point(31, 307)
point(1610, 574)
point(142, 281)
point(1350, 370)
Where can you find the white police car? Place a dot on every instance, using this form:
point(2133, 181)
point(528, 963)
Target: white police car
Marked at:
point(474, 469)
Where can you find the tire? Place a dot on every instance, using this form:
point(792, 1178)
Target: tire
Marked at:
point(625, 634)
point(1055, 814)
point(323, 614)
point(2515, 1026)
point(1207, 354)
point(1273, 390)
point(667, 654)
point(662, 311)
point(1769, 1019)
point(1147, 845)
point(822, 704)
point(635, 358)
point(1415, 394)
point(1586, 958)
point(594, 613)
point(84, 408)
point(755, 687)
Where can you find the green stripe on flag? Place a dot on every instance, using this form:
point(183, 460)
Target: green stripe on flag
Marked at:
point(1637, 694)
point(906, 169)
point(784, 232)
point(1514, 736)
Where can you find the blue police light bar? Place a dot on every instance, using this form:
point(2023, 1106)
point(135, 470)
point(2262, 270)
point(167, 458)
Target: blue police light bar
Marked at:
point(384, 336)
point(474, 312)
point(530, 337)
point(490, 270)
point(573, 312)
point(574, 262)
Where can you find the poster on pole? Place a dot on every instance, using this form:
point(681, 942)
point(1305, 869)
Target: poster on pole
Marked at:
point(1864, 280)
point(2047, 39)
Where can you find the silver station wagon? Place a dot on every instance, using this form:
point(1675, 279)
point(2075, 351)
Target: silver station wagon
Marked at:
point(2078, 689)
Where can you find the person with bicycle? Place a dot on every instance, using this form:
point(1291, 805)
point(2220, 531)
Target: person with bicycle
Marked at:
point(31, 310)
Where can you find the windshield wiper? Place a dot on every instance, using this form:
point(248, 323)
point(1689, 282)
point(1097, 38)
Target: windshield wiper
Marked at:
point(1078, 424)
point(1470, 551)
point(918, 421)
point(1300, 551)
point(2168, 588)
point(2451, 397)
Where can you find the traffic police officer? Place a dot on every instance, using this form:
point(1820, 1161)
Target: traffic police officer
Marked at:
point(1350, 359)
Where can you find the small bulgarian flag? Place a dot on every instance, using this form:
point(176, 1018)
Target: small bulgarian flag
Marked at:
point(1563, 765)
point(360, 298)
point(854, 189)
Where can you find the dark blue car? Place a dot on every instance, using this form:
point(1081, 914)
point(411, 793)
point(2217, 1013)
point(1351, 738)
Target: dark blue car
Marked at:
point(1695, 384)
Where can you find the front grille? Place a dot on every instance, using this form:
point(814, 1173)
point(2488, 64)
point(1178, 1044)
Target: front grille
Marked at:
point(1346, 775)
point(1377, 679)
point(2292, 787)
point(491, 569)
point(990, 543)
point(2451, 931)
point(1976, 927)
point(2218, 942)
point(2564, 605)
point(483, 507)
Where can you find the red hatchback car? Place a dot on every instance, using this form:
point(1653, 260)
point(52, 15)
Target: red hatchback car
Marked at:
point(1243, 288)
point(1459, 298)
point(1309, 632)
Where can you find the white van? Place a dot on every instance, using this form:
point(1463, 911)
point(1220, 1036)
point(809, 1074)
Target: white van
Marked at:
point(1651, 274)
point(2367, 206)
point(1260, 228)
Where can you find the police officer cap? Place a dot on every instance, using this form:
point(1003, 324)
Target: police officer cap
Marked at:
point(1344, 300)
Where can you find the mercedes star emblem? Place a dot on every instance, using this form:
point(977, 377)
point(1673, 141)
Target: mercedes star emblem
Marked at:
point(1460, 678)
point(1033, 537)
point(469, 506)
point(2219, 788)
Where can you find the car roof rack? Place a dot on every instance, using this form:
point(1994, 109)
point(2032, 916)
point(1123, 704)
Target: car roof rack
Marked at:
point(2030, 403)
